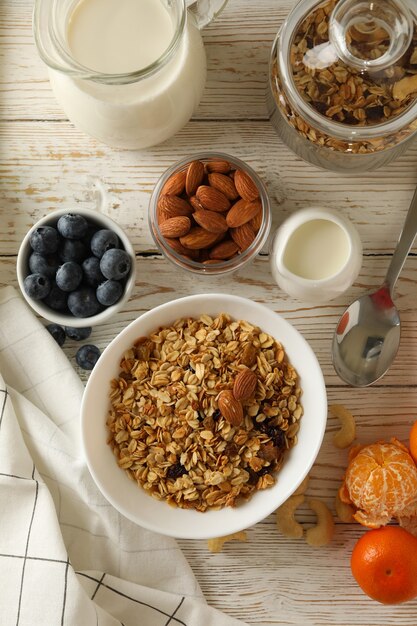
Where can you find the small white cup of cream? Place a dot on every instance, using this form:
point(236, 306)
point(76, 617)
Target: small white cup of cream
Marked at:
point(316, 254)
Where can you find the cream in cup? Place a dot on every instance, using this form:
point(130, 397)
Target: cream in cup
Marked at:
point(316, 254)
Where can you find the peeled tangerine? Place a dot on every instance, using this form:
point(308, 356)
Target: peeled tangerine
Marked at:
point(381, 483)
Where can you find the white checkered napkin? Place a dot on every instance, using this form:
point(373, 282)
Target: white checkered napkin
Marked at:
point(67, 558)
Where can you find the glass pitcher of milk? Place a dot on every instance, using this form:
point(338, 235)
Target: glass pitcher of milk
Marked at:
point(130, 73)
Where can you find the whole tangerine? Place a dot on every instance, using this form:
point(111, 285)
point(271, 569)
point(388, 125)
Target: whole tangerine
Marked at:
point(413, 442)
point(384, 564)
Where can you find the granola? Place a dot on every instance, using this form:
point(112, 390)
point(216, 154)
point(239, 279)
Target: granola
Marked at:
point(164, 424)
point(343, 94)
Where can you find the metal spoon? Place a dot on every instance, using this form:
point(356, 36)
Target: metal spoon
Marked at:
point(368, 333)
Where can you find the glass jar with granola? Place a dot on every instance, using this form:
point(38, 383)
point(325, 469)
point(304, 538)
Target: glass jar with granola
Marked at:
point(343, 82)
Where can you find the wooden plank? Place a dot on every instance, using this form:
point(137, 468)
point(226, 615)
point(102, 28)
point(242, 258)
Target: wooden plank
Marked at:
point(159, 282)
point(238, 46)
point(273, 580)
point(48, 165)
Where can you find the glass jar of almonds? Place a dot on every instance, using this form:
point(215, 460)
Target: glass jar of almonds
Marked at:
point(343, 82)
point(210, 214)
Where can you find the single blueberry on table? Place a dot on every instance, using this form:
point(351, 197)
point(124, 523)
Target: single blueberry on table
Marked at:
point(78, 334)
point(109, 292)
point(45, 240)
point(92, 272)
point(72, 250)
point(37, 286)
point(87, 356)
point(56, 299)
point(69, 276)
point(115, 264)
point(72, 226)
point(46, 265)
point(83, 302)
point(57, 332)
point(102, 241)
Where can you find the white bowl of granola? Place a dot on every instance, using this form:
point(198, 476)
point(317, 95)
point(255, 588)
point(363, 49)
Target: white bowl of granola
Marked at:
point(212, 404)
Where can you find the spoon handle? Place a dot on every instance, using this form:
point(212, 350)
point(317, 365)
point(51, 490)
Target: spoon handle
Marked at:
point(404, 244)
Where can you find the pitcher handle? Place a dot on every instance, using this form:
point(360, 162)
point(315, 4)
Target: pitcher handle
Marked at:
point(205, 11)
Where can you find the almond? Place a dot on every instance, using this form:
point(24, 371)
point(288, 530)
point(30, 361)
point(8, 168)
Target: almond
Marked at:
point(211, 221)
point(198, 238)
point(212, 199)
point(220, 238)
point(175, 226)
point(242, 211)
point(179, 248)
point(243, 235)
point(161, 215)
point(224, 184)
point(195, 175)
point(204, 255)
point(224, 250)
point(175, 184)
point(196, 204)
point(256, 222)
point(235, 209)
point(173, 206)
point(245, 384)
point(230, 408)
point(245, 186)
point(223, 167)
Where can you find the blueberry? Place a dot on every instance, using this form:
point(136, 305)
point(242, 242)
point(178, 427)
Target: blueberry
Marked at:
point(91, 230)
point(56, 299)
point(87, 356)
point(73, 250)
point(69, 276)
point(83, 302)
point(115, 264)
point(46, 265)
point(92, 273)
point(37, 286)
point(72, 226)
point(102, 241)
point(109, 292)
point(44, 240)
point(78, 334)
point(57, 332)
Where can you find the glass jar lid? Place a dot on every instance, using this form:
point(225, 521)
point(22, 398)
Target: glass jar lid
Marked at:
point(349, 67)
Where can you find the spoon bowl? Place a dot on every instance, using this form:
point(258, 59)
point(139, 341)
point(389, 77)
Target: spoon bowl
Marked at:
point(366, 339)
point(368, 334)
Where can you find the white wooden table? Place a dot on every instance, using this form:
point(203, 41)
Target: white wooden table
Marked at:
point(46, 163)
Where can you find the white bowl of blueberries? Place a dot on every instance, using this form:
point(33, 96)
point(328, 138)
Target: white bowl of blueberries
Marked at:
point(76, 268)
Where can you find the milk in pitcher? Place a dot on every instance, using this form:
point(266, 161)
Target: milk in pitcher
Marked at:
point(145, 71)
